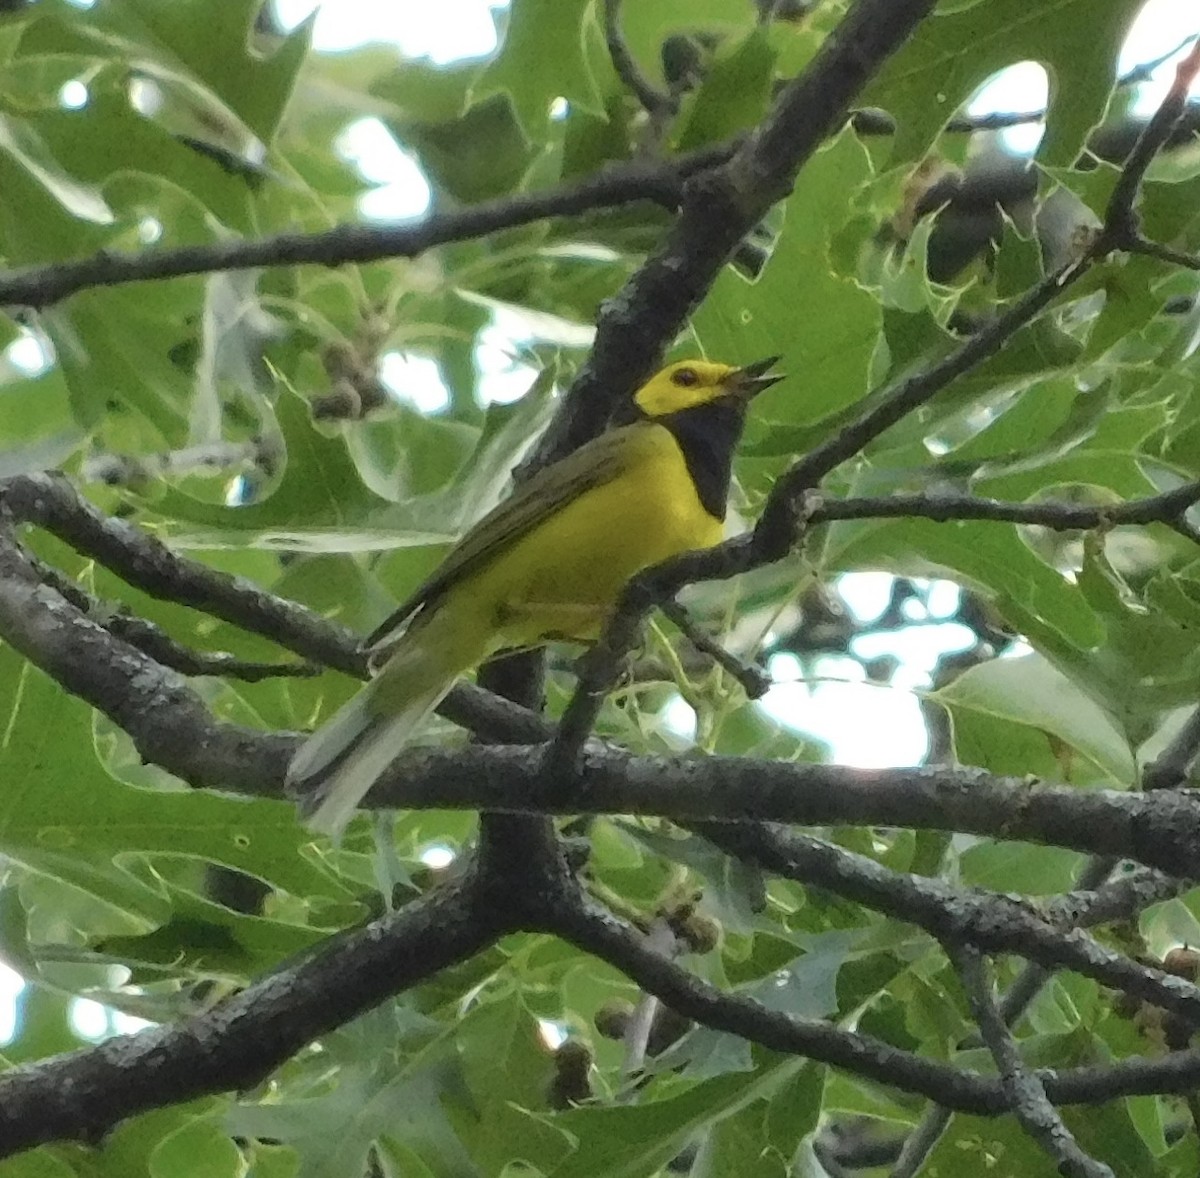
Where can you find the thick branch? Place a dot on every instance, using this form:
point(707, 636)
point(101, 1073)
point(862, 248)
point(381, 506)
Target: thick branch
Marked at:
point(170, 724)
point(1161, 830)
point(605, 937)
point(238, 1042)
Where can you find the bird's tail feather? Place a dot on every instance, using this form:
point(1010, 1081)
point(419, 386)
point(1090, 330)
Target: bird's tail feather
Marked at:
point(339, 763)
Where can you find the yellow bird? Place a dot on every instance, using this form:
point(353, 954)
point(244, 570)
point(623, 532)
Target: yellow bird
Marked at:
point(548, 563)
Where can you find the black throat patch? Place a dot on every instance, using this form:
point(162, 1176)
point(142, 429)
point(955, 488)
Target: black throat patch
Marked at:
point(707, 435)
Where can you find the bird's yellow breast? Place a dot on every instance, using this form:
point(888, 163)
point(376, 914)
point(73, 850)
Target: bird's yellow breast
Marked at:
point(563, 577)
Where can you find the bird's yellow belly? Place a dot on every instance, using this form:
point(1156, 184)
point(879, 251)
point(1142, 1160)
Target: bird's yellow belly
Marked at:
point(563, 578)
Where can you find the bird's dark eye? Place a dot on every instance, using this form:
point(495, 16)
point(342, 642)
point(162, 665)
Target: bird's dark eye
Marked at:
point(685, 378)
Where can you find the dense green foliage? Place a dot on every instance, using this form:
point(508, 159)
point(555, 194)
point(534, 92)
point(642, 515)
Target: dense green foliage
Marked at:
point(200, 126)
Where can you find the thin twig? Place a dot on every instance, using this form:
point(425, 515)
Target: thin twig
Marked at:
point(1040, 1119)
point(636, 1040)
point(656, 102)
point(1120, 219)
point(919, 1143)
point(992, 922)
point(1120, 898)
point(777, 522)
point(1169, 770)
point(159, 645)
point(776, 526)
point(616, 186)
point(755, 681)
point(871, 121)
point(169, 723)
point(1154, 249)
point(1144, 71)
point(948, 506)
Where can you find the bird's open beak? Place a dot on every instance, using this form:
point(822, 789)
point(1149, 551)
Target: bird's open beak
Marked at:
point(747, 382)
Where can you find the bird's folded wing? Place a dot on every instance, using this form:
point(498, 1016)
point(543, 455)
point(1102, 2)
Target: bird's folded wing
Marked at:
point(592, 465)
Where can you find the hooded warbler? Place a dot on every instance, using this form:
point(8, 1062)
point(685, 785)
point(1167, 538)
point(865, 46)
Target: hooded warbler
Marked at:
point(549, 562)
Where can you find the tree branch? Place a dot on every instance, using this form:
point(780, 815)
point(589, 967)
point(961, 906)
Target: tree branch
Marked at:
point(603, 936)
point(991, 922)
point(754, 680)
point(1169, 770)
point(787, 511)
point(239, 1041)
point(656, 102)
point(943, 507)
point(171, 727)
point(1161, 829)
point(614, 187)
point(152, 640)
point(50, 502)
point(168, 721)
point(1120, 219)
point(719, 208)
point(916, 1146)
point(1164, 253)
point(141, 560)
point(242, 1039)
point(1033, 1109)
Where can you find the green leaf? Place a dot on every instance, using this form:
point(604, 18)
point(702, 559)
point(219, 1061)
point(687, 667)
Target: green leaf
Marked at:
point(483, 154)
point(396, 1076)
point(115, 349)
point(825, 326)
point(990, 557)
point(794, 1110)
point(502, 1055)
point(629, 1140)
point(206, 939)
point(1030, 692)
point(736, 1146)
point(40, 1163)
point(197, 1150)
point(543, 57)
point(180, 45)
point(734, 93)
point(648, 27)
point(67, 817)
point(1007, 867)
point(320, 504)
point(955, 51)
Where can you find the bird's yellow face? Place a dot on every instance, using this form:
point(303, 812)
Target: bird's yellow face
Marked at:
point(692, 383)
